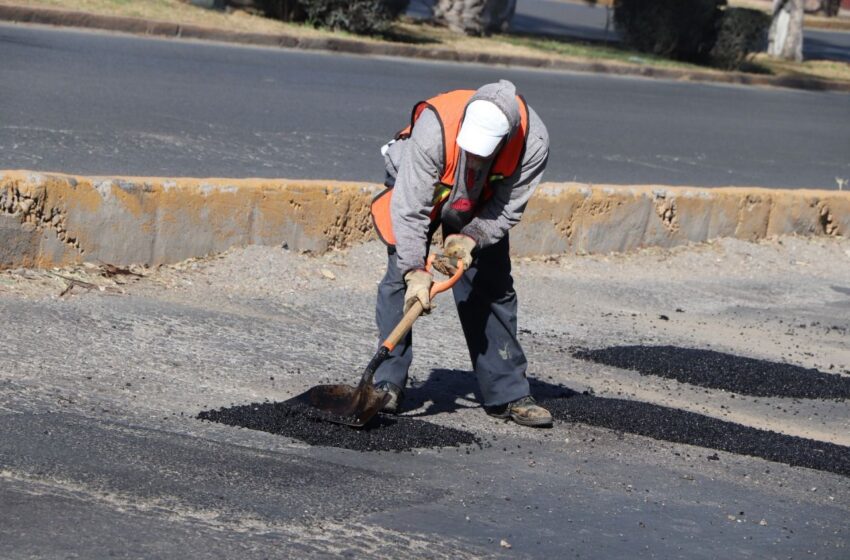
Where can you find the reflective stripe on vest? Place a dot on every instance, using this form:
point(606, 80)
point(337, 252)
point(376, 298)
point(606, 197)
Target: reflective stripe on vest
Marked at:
point(449, 108)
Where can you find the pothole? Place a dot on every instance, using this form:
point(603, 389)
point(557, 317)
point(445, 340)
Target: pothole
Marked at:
point(717, 370)
point(297, 420)
point(679, 426)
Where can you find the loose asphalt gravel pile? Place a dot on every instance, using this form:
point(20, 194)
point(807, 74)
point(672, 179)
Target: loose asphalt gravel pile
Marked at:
point(297, 420)
point(680, 426)
point(717, 370)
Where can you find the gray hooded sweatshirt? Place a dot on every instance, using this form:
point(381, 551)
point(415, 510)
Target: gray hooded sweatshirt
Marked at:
point(414, 167)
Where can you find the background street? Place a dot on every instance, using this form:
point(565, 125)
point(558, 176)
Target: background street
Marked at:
point(114, 105)
point(580, 21)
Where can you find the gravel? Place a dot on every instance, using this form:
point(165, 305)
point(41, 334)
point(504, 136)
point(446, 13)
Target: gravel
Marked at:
point(297, 420)
point(718, 370)
point(680, 426)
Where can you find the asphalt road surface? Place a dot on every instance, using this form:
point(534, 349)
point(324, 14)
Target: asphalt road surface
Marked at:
point(707, 419)
point(115, 105)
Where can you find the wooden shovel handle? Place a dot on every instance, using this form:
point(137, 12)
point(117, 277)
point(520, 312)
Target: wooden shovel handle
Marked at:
point(416, 309)
point(438, 287)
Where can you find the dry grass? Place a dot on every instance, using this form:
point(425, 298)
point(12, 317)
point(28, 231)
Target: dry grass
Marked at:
point(595, 53)
point(536, 47)
point(173, 11)
point(407, 32)
point(433, 36)
point(821, 69)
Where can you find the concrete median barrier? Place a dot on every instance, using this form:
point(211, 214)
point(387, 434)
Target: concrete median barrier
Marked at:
point(52, 219)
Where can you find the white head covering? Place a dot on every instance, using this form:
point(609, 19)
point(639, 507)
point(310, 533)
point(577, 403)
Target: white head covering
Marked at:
point(484, 126)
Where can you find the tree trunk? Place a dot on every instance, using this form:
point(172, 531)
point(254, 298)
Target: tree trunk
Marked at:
point(475, 17)
point(786, 31)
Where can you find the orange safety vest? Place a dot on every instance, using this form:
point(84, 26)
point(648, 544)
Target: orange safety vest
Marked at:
point(449, 108)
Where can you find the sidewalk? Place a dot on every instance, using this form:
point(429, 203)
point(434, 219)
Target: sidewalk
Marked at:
point(316, 40)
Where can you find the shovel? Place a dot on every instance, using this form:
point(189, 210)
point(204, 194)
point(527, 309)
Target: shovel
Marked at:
point(355, 406)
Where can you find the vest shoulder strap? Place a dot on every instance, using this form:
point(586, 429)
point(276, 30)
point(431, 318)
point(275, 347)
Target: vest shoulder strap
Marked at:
point(449, 108)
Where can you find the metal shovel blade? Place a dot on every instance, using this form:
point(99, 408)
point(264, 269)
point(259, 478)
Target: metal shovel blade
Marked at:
point(344, 404)
point(355, 406)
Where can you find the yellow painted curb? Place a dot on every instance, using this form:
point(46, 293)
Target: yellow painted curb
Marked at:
point(54, 219)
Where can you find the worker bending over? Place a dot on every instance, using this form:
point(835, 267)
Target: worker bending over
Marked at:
point(469, 161)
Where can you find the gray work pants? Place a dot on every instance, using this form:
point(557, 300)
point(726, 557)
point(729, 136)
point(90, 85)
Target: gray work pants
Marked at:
point(487, 307)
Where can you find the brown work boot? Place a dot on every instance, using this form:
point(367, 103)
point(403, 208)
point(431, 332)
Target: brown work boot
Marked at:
point(393, 405)
point(524, 411)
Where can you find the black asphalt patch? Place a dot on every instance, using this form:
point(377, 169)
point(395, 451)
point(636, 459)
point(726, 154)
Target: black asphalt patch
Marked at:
point(297, 420)
point(717, 370)
point(679, 426)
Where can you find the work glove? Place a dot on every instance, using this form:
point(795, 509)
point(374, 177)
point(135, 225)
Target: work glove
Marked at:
point(456, 247)
point(418, 289)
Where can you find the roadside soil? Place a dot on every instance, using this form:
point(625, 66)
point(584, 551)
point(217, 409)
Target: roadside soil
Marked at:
point(778, 301)
point(409, 32)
